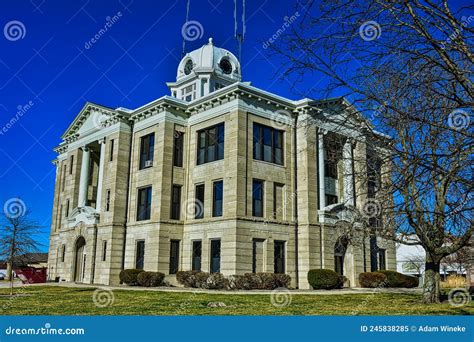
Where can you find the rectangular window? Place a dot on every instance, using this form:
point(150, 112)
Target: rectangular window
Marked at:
point(373, 254)
point(71, 165)
point(174, 256)
point(178, 148)
point(199, 202)
point(278, 202)
point(140, 255)
point(257, 198)
point(197, 252)
point(147, 148)
point(189, 93)
point(257, 255)
point(279, 262)
point(111, 151)
point(104, 250)
point(217, 198)
point(107, 200)
point(267, 144)
point(382, 261)
point(144, 204)
point(63, 253)
point(215, 256)
point(67, 208)
point(210, 145)
point(330, 162)
point(176, 202)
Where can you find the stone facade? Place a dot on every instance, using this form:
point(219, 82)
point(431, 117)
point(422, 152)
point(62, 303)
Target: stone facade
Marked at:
point(98, 227)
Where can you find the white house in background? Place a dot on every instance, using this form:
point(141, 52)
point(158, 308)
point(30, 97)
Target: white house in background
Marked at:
point(409, 257)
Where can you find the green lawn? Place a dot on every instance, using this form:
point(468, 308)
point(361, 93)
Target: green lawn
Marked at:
point(55, 300)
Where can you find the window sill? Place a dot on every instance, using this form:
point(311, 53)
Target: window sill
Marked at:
point(269, 163)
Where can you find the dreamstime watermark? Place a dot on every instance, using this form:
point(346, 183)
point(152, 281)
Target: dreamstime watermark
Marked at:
point(192, 30)
point(14, 208)
point(371, 208)
point(459, 119)
point(46, 330)
point(280, 297)
point(288, 21)
point(110, 22)
point(279, 119)
point(465, 21)
point(99, 119)
point(194, 208)
point(459, 297)
point(14, 30)
point(21, 110)
point(370, 30)
point(103, 297)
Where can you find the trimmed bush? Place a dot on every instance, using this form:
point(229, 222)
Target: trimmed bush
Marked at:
point(248, 281)
point(186, 278)
point(150, 279)
point(324, 279)
point(395, 279)
point(373, 279)
point(130, 276)
point(215, 281)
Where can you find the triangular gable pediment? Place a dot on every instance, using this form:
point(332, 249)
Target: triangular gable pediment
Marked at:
point(91, 118)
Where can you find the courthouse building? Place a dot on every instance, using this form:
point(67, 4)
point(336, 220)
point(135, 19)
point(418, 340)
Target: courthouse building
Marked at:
point(219, 176)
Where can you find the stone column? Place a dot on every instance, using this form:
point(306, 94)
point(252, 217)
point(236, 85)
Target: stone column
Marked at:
point(84, 180)
point(101, 175)
point(322, 178)
point(348, 173)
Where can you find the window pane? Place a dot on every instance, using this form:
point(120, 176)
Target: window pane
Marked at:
point(257, 142)
point(176, 202)
point(140, 255)
point(178, 149)
point(199, 202)
point(144, 204)
point(217, 199)
point(279, 257)
point(257, 198)
point(210, 144)
point(215, 256)
point(197, 251)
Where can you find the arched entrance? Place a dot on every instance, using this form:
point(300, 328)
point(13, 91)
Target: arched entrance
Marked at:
point(340, 249)
point(80, 259)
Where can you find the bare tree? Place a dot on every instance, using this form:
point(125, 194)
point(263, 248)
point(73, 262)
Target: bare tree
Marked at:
point(414, 263)
point(17, 236)
point(408, 65)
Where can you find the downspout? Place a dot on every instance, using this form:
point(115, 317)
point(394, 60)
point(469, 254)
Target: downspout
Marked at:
point(94, 254)
point(319, 204)
point(295, 206)
point(246, 159)
point(127, 195)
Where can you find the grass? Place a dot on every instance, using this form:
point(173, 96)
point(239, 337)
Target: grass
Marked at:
point(57, 300)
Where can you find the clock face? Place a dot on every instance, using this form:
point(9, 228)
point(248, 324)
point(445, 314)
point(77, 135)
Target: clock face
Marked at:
point(225, 66)
point(188, 67)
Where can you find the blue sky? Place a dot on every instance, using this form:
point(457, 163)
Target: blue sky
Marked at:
point(47, 73)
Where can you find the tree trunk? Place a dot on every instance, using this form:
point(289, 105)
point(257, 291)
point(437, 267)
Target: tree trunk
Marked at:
point(431, 286)
point(9, 271)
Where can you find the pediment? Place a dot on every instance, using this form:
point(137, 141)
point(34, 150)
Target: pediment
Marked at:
point(90, 119)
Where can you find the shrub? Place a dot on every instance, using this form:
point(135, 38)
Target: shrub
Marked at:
point(395, 279)
point(372, 279)
point(186, 278)
point(453, 281)
point(150, 279)
point(215, 281)
point(324, 279)
point(130, 276)
point(235, 282)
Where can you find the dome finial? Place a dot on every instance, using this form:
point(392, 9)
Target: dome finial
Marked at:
point(210, 41)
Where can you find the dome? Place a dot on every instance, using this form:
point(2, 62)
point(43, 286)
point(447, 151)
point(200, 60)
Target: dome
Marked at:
point(209, 58)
